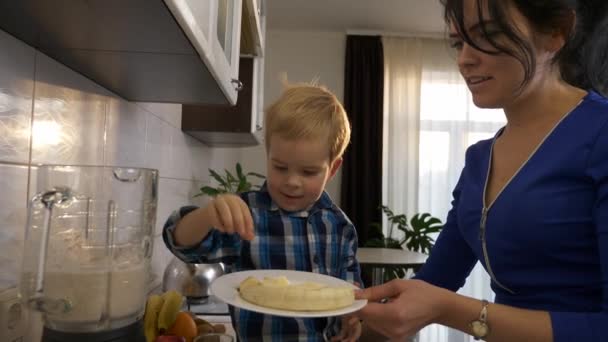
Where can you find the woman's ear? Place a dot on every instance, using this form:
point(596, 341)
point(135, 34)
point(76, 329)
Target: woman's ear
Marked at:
point(335, 166)
point(560, 35)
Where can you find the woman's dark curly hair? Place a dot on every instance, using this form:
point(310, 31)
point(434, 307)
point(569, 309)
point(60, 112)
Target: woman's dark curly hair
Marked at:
point(583, 61)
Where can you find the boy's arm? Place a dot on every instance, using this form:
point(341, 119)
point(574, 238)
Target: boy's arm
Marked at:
point(228, 213)
point(192, 228)
point(350, 269)
point(212, 248)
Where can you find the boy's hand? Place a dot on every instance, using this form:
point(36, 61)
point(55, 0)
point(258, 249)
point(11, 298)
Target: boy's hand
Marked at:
point(351, 329)
point(228, 213)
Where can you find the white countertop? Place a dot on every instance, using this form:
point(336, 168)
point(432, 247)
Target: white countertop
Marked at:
point(389, 256)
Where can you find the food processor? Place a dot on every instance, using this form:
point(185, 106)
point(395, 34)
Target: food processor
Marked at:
point(87, 252)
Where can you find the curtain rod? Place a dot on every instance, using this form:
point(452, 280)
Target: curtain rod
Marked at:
point(439, 36)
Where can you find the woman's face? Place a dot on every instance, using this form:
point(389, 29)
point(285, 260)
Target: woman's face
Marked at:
point(495, 79)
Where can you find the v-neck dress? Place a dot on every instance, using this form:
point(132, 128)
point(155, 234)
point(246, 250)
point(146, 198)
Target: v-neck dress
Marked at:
point(546, 234)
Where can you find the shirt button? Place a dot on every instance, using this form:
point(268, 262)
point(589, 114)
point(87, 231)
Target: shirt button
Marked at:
point(315, 259)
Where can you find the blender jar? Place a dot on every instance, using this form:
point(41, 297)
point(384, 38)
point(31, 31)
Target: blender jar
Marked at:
point(88, 246)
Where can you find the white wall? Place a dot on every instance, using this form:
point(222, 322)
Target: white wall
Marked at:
point(303, 56)
point(92, 127)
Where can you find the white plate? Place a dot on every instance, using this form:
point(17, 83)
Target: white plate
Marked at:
point(225, 288)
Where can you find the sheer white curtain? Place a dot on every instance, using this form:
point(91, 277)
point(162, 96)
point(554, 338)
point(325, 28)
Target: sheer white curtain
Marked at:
point(429, 121)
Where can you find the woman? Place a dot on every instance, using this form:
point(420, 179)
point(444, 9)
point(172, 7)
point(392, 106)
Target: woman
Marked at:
point(531, 204)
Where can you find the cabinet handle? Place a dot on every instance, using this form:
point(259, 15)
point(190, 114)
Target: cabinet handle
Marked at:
point(238, 85)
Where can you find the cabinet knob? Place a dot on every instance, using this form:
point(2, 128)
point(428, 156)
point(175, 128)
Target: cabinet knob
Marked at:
point(258, 127)
point(238, 85)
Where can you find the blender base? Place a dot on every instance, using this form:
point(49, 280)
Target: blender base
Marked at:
point(130, 333)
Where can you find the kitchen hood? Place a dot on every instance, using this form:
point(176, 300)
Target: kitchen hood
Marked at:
point(135, 48)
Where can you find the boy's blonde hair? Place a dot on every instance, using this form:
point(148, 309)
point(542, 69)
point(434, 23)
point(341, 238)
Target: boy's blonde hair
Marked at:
point(309, 111)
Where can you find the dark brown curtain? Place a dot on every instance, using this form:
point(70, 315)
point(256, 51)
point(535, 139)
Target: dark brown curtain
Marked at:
point(361, 192)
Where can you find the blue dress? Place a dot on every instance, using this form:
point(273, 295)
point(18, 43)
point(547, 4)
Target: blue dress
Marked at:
point(546, 234)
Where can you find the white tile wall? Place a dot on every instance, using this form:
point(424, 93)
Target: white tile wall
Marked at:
point(158, 145)
point(13, 182)
point(169, 112)
point(16, 89)
point(75, 121)
point(69, 116)
point(125, 134)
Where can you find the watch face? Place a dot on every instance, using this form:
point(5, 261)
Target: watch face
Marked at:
point(480, 329)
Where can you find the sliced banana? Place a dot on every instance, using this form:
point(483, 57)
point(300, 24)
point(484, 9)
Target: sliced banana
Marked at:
point(279, 293)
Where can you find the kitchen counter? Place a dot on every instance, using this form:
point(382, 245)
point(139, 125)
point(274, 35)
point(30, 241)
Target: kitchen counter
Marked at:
point(379, 258)
point(224, 320)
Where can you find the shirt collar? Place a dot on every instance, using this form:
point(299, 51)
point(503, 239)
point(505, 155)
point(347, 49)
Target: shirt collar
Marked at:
point(266, 202)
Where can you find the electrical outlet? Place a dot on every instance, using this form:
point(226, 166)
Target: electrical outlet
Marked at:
point(13, 319)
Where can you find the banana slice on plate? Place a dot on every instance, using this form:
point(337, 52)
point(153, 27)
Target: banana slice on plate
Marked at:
point(279, 293)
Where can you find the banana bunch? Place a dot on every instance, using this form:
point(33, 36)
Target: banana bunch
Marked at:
point(279, 293)
point(161, 312)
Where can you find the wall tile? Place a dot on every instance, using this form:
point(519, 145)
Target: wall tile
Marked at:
point(181, 163)
point(158, 145)
point(125, 134)
point(173, 194)
point(198, 154)
point(161, 256)
point(169, 112)
point(16, 90)
point(69, 116)
point(13, 182)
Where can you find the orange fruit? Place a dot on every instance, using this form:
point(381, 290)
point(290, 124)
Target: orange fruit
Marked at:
point(184, 326)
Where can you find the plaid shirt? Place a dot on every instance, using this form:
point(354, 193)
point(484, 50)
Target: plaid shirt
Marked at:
point(321, 240)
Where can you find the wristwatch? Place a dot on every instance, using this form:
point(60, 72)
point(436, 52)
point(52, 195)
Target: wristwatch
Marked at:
point(480, 326)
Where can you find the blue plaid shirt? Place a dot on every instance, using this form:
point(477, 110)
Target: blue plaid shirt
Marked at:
point(321, 240)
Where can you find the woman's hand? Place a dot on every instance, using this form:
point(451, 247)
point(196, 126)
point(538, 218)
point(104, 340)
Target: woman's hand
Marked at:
point(410, 306)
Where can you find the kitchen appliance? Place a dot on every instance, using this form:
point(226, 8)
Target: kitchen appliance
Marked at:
point(192, 280)
point(87, 252)
point(13, 320)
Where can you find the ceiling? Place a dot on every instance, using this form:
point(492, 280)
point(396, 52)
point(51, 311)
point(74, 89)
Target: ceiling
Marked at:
point(408, 17)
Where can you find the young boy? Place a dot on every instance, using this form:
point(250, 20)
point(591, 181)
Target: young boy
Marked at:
point(290, 223)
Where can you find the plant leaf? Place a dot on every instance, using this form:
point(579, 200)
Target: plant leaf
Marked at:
point(230, 177)
point(243, 185)
point(239, 172)
point(218, 178)
point(209, 191)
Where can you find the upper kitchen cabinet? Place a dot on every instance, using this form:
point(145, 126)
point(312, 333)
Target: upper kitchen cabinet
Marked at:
point(252, 28)
point(177, 51)
point(240, 125)
point(231, 126)
point(214, 29)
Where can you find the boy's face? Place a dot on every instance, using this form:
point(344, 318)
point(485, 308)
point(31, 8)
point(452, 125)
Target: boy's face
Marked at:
point(298, 171)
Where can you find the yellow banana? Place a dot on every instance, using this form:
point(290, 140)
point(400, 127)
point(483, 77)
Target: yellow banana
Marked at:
point(309, 296)
point(276, 281)
point(153, 306)
point(172, 304)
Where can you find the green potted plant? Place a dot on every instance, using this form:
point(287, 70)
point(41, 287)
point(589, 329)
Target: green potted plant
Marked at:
point(416, 237)
point(230, 183)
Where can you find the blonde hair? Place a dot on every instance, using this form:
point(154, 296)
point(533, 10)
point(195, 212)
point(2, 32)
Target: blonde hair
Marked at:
point(309, 111)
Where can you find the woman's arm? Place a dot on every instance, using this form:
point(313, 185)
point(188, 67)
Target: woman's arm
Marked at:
point(414, 304)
